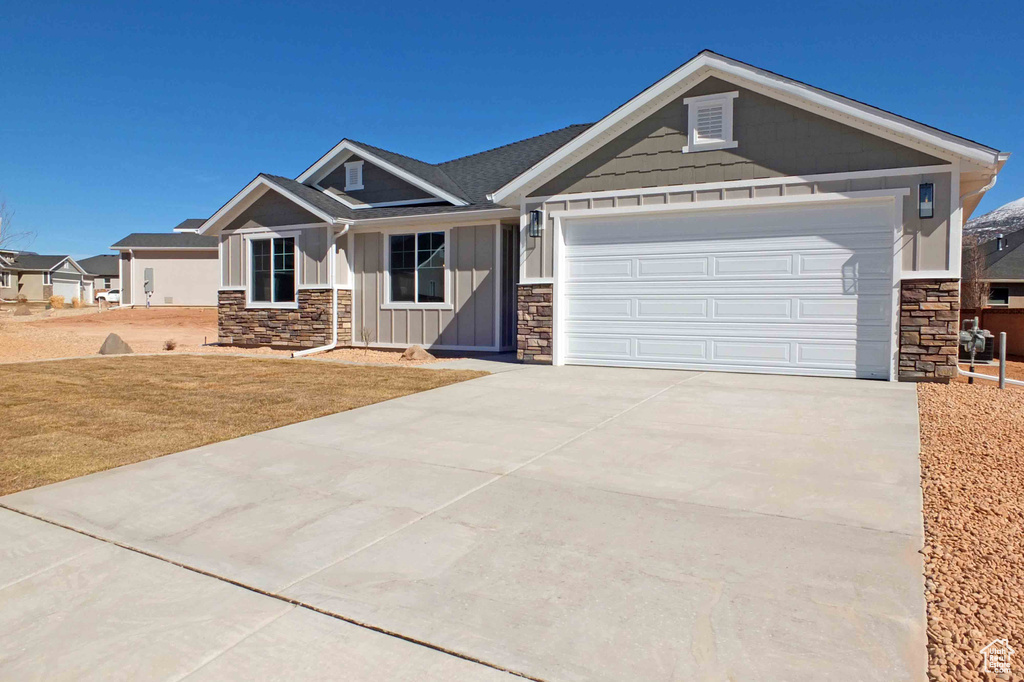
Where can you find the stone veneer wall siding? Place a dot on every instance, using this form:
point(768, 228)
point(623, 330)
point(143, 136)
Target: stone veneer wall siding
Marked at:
point(308, 326)
point(929, 325)
point(535, 323)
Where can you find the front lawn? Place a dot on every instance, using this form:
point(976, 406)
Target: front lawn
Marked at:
point(68, 418)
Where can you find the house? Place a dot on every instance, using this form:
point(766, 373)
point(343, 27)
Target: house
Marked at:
point(168, 268)
point(103, 273)
point(1001, 235)
point(37, 277)
point(725, 218)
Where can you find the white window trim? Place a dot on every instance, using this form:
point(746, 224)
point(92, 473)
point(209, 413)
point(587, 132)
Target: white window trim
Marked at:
point(47, 279)
point(349, 165)
point(413, 305)
point(5, 280)
point(287, 305)
point(693, 105)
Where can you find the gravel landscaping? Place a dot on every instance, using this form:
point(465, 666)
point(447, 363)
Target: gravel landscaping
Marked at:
point(972, 464)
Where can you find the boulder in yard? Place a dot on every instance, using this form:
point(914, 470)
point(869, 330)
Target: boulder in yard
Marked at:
point(416, 354)
point(22, 309)
point(115, 345)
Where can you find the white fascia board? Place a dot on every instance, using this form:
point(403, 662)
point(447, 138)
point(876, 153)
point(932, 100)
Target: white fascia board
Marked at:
point(455, 217)
point(712, 64)
point(261, 184)
point(164, 248)
point(349, 147)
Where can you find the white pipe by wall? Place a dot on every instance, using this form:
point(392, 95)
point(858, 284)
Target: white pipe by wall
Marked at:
point(332, 277)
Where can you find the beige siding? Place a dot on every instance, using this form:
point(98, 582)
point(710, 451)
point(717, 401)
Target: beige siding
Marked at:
point(10, 292)
point(775, 140)
point(30, 285)
point(470, 322)
point(125, 266)
point(341, 265)
point(925, 242)
point(179, 278)
point(378, 185)
point(312, 262)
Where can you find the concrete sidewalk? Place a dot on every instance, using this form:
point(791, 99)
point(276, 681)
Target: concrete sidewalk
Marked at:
point(563, 523)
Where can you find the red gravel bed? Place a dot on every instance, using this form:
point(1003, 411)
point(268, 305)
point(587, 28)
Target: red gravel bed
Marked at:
point(972, 470)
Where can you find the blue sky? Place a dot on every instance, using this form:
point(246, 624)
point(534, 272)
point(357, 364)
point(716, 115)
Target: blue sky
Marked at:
point(130, 117)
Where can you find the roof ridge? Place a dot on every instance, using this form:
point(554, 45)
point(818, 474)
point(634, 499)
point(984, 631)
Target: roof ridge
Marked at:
point(509, 144)
point(404, 156)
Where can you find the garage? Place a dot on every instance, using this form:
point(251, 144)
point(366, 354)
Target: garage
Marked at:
point(68, 288)
point(791, 289)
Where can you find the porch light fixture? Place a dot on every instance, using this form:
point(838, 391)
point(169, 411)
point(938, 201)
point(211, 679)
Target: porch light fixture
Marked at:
point(536, 223)
point(926, 198)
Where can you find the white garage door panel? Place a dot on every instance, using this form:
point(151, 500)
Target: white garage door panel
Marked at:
point(786, 290)
point(69, 289)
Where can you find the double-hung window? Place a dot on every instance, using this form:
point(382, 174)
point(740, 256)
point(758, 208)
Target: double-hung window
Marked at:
point(273, 270)
point(47, 278)
point(5, 279)
point(417, 268)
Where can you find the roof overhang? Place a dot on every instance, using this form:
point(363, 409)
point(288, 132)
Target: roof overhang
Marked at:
point(708, 64)
point(450, 218)
point(161, 248)
point(249, 194)
point(346, 148)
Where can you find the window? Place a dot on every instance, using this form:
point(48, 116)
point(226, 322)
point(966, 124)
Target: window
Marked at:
point(47, 278)
point(353, 175)
point(273, 270)
point(709, 122)
point(417, 267)
point(106, 282)
point(999, 296)
point(5, 279)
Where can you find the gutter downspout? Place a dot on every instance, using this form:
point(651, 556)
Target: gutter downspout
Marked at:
point(332, 276)
point(990, 185)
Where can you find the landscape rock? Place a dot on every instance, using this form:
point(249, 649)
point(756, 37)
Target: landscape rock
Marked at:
point(22, 309)
point(416, 354)
point(115, 345)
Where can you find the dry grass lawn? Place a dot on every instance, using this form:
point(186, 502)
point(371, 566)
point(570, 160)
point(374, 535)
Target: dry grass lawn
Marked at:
point(72, 417)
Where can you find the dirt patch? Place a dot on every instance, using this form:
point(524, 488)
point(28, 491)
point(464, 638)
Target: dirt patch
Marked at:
point(75, 333)
point(972, 466)
point(69, 418)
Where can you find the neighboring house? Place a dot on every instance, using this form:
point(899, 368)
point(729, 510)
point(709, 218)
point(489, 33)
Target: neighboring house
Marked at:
point(1001, 233)
point(103, 270)
point(37, 277)
point(726, 218)
point(168, 268)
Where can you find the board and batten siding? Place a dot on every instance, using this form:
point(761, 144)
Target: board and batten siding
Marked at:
point(470, 323)
point(312, 259)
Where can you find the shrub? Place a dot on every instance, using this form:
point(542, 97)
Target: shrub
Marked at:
point(56, 302)
point(22, 298)
point(170, 344)
point(76, 302)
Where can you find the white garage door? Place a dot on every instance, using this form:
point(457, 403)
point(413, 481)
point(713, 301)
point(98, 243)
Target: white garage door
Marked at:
point(798, 290)
point(69, 289)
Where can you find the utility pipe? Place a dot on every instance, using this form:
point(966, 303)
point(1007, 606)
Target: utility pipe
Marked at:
point(332, 276)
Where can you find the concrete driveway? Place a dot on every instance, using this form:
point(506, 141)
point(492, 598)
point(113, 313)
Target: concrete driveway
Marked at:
point(563, 523)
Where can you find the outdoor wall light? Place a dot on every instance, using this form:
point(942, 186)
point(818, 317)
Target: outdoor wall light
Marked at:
point(926, 198)
point(536, 223)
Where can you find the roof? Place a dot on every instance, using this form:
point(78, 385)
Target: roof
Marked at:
point(707, 63)
point(34, 261)
point(104, 265)
point(428, 172)
point(190, 224)
point(166, 240)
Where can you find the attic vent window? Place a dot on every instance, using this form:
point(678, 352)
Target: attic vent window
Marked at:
point(353, 175)
point(709, 122)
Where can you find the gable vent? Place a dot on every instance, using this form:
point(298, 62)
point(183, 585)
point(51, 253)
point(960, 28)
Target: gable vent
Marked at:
point(710, 123)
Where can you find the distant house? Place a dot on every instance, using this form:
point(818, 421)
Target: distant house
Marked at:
point(169, 268)
point(103, 274)
point(37, 277)
point(1004, 270)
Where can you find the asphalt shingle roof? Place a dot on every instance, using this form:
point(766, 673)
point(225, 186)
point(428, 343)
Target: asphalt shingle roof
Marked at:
point(190, 224)
point(1007, 263)
point(34, 261)
point(427, 171)
point(104, 265)
point(166, 240)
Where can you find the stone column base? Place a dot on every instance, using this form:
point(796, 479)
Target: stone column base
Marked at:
point(929, 326)
point(307, 326)
point(535, 315)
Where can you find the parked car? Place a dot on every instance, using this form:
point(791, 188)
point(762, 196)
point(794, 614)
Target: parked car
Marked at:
point(110, 296)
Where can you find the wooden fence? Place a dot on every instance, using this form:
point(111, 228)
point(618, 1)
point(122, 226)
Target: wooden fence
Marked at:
point(1009, 320)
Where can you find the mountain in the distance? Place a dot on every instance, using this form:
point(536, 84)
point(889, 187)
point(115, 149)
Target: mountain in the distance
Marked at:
point(1004, 220)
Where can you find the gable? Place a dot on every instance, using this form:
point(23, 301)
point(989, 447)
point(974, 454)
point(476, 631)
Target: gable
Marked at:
point(775, 140)
point(379, 186)
point(272, 210)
